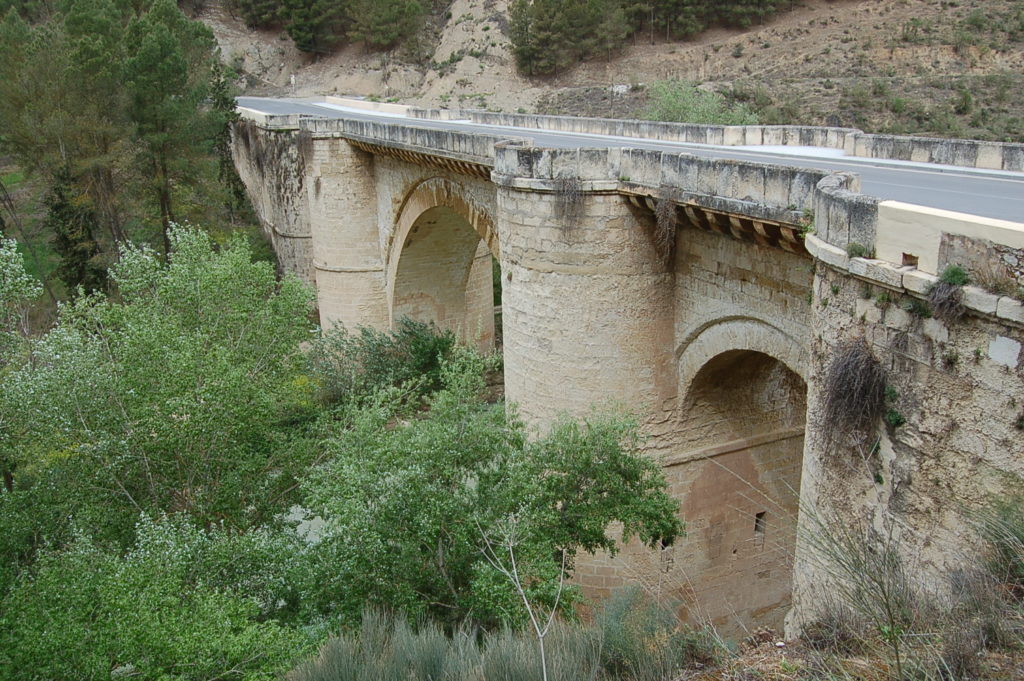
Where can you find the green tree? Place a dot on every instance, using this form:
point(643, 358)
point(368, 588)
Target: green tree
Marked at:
point(167, 79)
point(176, 397)
point(175, 606)
point(315, 26)
point(259, 13)
point(382, 23)
point(410, 502)
point(74, 227)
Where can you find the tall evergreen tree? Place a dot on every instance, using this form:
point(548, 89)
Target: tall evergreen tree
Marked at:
point(315, 26)
point(74, 227)
point(167, 78)
point(382, 23)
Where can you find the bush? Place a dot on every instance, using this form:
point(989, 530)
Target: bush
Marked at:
point(946, 297)
point(88, 613)
point(854, 391)
point(412, 499)
point(176, 395)
point(631, 640)
point(348, 366)
point(677, 101)
point(644, 641)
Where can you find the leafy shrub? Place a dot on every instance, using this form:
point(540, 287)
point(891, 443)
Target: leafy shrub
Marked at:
point(88, 613)
point(677, 101)
point(175, 396)
point(411, 500)
point(352, 365)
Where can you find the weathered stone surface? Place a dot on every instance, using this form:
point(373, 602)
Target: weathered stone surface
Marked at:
point(718, 337)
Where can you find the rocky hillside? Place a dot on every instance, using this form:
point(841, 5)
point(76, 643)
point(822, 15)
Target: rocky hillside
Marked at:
point(942, 67)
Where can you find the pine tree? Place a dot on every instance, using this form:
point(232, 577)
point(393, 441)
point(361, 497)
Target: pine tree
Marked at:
point(167, 77)
point(223, 104)
point(382, 23)
point(315, 26)
point(74, 226)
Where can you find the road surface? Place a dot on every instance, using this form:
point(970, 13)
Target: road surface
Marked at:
point(989, 193)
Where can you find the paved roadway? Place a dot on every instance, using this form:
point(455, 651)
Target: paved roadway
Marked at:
point(990, 193)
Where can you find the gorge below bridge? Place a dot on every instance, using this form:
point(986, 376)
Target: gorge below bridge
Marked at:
point(701, 277)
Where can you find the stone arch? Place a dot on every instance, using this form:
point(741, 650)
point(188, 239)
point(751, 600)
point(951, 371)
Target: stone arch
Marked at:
point(736, 465)
point(711, 337)
point(434, 192)
point(439, 261)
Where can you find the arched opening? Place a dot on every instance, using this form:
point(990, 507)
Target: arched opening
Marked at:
point(444, 275)
point(736, 469)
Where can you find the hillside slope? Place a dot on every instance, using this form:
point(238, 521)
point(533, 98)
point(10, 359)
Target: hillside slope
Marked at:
point(908, 66)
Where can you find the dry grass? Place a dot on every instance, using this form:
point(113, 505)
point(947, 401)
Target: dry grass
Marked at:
point(946, 301)
point(665, 223)
point(854, 391)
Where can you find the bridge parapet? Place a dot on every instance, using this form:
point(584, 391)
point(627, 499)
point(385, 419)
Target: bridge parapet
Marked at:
point(956, 152)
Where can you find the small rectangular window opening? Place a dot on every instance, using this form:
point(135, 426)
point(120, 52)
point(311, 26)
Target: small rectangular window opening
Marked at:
point(759, 521)
point(909, 260)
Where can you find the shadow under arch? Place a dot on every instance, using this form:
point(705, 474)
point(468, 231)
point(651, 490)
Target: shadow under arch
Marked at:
point(439, 266)
point(736, 464)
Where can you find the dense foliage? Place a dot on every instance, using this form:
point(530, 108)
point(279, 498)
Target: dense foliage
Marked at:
point(196, 486)
point(168, 399)
point(115, 106)
point(550, 35)
point(171, 607)
point(411, 503)
point(318, 26)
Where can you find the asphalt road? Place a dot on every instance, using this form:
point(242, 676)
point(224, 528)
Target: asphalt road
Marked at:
point(995, 194)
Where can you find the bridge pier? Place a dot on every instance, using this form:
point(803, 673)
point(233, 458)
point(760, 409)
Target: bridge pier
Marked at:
point(586, 303)
point(350, 273)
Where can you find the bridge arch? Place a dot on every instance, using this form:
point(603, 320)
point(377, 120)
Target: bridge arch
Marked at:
point(439, 266)
point(739, 432)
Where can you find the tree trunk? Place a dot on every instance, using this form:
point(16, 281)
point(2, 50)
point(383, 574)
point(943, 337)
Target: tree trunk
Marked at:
point(164, 197)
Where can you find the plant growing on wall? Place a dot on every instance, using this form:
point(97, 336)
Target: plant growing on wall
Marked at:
point(946, 296)
point(853, 394)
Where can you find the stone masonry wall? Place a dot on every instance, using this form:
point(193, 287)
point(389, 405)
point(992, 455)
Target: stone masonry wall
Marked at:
point(957, 388)
point(271, 165)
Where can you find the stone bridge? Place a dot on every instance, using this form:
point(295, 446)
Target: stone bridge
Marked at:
point(706, 296)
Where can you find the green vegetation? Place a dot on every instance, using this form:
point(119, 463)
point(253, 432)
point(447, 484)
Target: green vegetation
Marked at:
point(318, 26)
point(115, 115)
point(631, 639)
point(550, 35)
point(673, 100)
point(164, 455)
point(413, 505)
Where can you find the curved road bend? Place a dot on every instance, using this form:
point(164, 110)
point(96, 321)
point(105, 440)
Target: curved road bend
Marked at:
point(989, 193)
